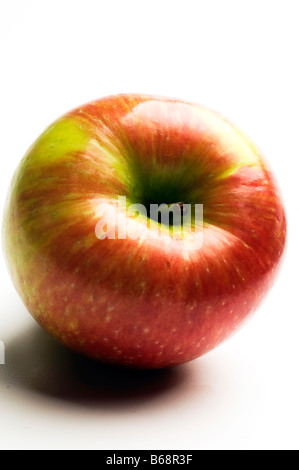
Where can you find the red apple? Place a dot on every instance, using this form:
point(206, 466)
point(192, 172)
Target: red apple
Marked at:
point(142, 302)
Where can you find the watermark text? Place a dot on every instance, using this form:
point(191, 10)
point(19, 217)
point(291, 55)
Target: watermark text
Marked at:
point(179, 221)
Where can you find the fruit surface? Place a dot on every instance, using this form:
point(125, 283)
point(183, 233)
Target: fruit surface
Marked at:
point(142, 302)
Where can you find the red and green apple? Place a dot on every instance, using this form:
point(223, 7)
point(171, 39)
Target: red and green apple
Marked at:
point(139, 301)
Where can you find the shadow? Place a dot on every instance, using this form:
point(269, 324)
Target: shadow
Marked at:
point(37, 363)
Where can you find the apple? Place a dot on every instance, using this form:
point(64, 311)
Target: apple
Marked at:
point(142, 301)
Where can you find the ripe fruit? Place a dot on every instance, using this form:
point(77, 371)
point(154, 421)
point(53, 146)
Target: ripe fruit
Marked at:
point(142, 302)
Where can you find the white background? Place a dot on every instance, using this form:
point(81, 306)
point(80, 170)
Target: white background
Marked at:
point(238, 57)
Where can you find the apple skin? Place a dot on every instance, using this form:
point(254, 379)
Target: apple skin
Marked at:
point(141, 303)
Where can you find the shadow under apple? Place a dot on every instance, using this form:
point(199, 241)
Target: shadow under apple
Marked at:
point(37, 363)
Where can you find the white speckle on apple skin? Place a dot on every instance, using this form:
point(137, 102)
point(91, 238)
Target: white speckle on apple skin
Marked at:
point(73, 326)
point(67, 311)
point(142, 286)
